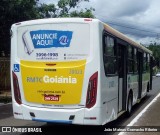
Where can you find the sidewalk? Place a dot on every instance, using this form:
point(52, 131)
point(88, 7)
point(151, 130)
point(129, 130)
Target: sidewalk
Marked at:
point(5, 97)
point(149, 116)
point(5, 93)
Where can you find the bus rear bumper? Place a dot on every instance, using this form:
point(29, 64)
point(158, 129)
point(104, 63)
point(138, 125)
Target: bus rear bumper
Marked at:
point(66, 116)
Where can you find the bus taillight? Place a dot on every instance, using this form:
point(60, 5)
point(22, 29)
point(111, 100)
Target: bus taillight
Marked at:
point(92, 91)
point(17, 94)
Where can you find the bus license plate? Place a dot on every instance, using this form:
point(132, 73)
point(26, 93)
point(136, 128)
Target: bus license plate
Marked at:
point(51, 97)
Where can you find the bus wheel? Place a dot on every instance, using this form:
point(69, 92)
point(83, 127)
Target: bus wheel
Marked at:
point(129, 105)
point(148, 87)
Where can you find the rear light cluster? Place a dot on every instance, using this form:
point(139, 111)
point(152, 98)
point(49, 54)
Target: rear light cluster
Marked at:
point(92, 91)
point(17, 94)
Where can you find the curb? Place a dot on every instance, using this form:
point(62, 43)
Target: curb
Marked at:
point(3, 104)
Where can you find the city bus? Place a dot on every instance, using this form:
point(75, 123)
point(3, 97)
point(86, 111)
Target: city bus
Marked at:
point(76, 71)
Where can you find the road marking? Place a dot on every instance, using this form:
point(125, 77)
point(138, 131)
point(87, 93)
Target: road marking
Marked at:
point(141, 113)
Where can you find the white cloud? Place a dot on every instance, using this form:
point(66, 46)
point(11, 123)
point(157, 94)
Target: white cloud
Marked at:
point(139, 14)
point(121, 8)
point(48, 1)
point(144, 40)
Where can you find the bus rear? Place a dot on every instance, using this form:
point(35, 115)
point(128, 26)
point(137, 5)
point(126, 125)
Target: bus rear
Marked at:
point(54, 71)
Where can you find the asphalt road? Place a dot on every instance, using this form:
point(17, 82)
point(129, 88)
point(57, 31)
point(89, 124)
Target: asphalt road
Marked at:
point(6, 118)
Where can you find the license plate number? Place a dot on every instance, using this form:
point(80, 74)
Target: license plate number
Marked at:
point(51, 97)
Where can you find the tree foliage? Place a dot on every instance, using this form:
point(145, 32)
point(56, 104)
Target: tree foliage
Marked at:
point(66, 8)
point(13, 11)
point(47, 11)
point(155, 48)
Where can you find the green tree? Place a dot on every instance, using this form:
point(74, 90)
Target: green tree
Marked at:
point(66, 8)
point(83, 13)
point(47, 11)
point(155, 48)
point(13, 11)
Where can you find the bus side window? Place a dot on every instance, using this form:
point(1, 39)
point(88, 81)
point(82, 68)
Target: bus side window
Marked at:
point(109, 55)
point(135, 61)
point(144, 62)
point(148, 63)
point(130, 59)
point(109, 46)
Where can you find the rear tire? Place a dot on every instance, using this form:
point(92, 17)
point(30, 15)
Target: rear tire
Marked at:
point(148, 87)
point(129, 105)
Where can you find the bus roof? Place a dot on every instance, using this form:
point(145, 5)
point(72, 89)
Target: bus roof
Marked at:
point(125, 38)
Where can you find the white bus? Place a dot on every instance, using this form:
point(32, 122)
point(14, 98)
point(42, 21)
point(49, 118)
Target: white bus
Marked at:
point(76, 71)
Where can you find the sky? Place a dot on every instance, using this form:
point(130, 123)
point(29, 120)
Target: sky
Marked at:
point(138, 19)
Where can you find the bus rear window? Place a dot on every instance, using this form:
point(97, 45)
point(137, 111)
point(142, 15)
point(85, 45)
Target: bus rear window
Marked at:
point(58, 42)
